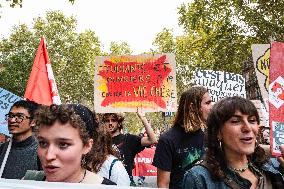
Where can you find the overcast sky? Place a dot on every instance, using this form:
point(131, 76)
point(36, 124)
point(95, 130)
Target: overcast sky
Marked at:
point(136, 22)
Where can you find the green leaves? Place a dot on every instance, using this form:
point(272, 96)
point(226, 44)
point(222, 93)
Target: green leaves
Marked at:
point(72, 57)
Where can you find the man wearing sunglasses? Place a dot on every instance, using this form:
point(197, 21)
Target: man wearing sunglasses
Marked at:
point(20, 153)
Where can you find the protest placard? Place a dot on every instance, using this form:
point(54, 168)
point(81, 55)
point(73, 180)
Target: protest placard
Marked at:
point(123, 83)
point(221, 84)
point(7, 99)
point(263, 114)
point(261, 62)
point(143, 163)
point(276, 97)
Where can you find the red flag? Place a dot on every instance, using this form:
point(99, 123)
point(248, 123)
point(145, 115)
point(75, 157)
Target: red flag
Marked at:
point(41, 86)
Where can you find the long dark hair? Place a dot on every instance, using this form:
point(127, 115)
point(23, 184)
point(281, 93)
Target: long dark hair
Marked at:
point(189, 113)
point(102, 146)
point(221, 112)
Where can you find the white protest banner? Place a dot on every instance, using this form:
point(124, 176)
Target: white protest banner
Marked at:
point(30, 184)
point(7, 99)
point(263, 114)
point(221, 84)
point(123, 83)
point(261, 62)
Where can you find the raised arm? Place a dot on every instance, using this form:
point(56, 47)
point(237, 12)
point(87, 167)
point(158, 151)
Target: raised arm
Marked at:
point(151, 137)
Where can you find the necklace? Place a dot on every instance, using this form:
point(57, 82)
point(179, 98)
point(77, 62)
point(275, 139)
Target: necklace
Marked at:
point(83, 176)
point(240, 169)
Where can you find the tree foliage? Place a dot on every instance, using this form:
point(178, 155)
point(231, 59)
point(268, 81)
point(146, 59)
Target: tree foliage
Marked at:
point(72, 57)
point(120, 48)
point(15, 3)
point(218, 34)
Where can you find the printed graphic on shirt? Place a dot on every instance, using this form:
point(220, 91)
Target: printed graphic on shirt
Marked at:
point(193, 154)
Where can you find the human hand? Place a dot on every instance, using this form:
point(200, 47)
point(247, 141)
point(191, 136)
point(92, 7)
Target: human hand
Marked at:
point(281, 158)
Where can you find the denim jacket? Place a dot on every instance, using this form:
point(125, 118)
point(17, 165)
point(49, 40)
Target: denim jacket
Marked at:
point(199, 177)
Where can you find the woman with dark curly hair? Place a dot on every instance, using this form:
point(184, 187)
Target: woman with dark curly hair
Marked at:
point(233, 158)
point(66, 136)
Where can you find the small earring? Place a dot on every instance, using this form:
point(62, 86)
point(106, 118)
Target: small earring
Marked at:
point(220, 143)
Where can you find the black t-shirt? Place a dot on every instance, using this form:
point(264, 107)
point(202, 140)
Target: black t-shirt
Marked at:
point(129, 145)
point(177, 151)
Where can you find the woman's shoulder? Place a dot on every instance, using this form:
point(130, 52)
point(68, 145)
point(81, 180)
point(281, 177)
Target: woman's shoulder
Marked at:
point(198, 170)
point(34, 175)
point(92, 178)
point(200, 177)
point(196, 177)
point(110, 158)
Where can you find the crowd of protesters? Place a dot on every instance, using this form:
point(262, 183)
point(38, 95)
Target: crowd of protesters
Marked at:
point(208, 146)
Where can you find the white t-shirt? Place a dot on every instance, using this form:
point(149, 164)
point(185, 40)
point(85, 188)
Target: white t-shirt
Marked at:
point(118, 172)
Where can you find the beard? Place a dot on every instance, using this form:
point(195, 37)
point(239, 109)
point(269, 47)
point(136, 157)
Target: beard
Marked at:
point(114, 131)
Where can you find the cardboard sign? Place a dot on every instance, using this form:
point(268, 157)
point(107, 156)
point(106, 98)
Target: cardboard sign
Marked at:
point(276, 97)
point(277, 129)
point(221, 84)
point(261, 62)
point(123, 83)
point(263, 114)
point(7, 99)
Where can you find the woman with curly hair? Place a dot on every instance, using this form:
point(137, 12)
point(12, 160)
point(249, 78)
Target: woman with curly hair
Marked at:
point(233, 158)
point(65, 136)
point(182, 145)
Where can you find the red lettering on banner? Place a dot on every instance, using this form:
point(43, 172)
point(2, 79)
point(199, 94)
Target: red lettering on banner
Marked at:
point(135, 81)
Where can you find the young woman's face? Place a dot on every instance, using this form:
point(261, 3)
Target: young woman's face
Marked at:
point(60, 151)
point(238, 135)
point(206, 106)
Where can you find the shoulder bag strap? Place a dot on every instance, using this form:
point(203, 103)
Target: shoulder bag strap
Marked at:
point(111, 166)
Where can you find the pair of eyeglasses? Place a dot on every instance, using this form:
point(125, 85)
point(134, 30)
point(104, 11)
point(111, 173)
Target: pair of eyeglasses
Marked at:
point(19, 117)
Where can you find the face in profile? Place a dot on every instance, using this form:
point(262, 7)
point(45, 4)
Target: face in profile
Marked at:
point(238, 135)
point(206, 106)
point(111, 124)
point(60, 151)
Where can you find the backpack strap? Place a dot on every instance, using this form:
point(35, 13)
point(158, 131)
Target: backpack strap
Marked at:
point(5, 157)
point(111, 166)
point(34, 175)
point(229, 182)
